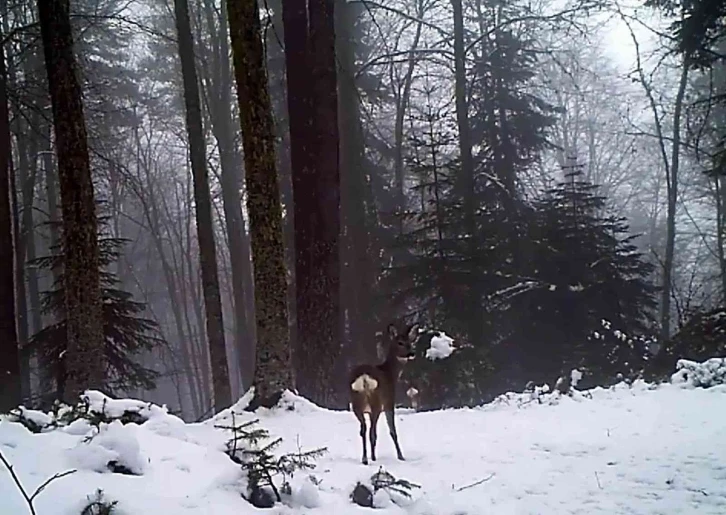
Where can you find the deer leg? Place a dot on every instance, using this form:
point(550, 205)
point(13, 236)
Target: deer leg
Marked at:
point(362, 419)
point(392, 429)
point(374, 433)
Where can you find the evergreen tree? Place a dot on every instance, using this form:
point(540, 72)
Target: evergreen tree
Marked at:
point(587, 269)
point(431, 278)
point(126, 333)
point(701, 338)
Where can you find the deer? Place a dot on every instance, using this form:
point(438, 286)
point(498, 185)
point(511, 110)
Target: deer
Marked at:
point(373, 387)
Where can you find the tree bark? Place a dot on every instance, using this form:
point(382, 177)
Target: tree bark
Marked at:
point(231, 166)
point(10, 362)
point(323, 322)
point(467, 166)
point(273, 372)
point(312, 108)
point(672, 189)
point(84, 356)
point(358, 278)
point(203, 204)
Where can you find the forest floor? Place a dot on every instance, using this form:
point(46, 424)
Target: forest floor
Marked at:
point(624, 450)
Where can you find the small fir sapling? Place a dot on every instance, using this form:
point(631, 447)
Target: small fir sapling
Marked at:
point(364, 496)
point(248, 448)
point(97, 505)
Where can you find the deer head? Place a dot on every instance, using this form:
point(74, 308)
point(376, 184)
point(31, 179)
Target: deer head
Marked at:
point(399, 346)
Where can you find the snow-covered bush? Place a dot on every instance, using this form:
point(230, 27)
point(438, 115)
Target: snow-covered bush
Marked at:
point(93, 407)
point(711, 372)
point(114, 448)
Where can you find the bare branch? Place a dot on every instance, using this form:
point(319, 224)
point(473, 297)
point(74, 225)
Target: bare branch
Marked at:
point(29, 498)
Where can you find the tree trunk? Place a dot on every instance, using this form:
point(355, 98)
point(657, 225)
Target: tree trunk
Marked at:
point(203, 204)
point(312, 111)
point(672, 189)
point(277, 83)
point(84, 358)
point(231, 166)
point(21, 299)
point(720, 196)
point(321, 312)
point(467, 166)
point(273, 372)
point(402, 99)
point(10, 362)
point(358, 276)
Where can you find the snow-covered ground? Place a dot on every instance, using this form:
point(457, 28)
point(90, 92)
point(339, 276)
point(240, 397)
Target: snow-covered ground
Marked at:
point(624, 450)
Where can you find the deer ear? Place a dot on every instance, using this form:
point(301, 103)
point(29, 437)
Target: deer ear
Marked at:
point(413, 332)
point(392, 331)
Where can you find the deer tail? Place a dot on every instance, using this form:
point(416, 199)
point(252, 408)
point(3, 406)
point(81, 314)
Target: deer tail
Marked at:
point(364, 383)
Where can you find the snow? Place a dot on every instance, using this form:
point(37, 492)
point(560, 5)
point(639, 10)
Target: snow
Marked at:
point(640, 449)
point(710, 373)
point(441, 347)
point(100, 403)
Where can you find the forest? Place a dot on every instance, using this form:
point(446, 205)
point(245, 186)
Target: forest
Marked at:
point(202, 196)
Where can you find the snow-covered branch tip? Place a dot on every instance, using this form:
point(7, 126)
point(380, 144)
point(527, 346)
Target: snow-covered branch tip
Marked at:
point(30, 498)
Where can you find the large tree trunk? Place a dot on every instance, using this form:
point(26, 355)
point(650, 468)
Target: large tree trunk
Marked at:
point(10, 362)
point(231, 165)
point(358, 275)
point(323, 321)
point(312, 108)
point(273, 372)
point(203, 204)
point(277, 83)
point(84, 358)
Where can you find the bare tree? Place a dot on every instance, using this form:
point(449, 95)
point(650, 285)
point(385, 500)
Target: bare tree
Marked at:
point(273, 372)
point(671, 165)
point(84, 361)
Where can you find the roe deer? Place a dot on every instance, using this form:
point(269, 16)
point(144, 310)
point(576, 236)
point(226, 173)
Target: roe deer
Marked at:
point(373, 387)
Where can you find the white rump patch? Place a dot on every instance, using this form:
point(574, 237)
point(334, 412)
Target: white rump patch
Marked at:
point(364, 383)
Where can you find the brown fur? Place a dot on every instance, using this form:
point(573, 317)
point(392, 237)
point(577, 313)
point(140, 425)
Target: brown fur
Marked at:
point(373, 387)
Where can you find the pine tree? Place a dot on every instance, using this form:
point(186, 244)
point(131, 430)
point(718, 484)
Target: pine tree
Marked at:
point(587, 268)
point(125, 332)
point(432, 276)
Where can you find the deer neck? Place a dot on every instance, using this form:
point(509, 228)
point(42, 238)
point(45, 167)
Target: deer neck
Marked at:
point(393, 366)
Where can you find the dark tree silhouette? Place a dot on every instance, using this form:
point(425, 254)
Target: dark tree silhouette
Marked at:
point(203, 205)
point(10, 363)
point(84, 359)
